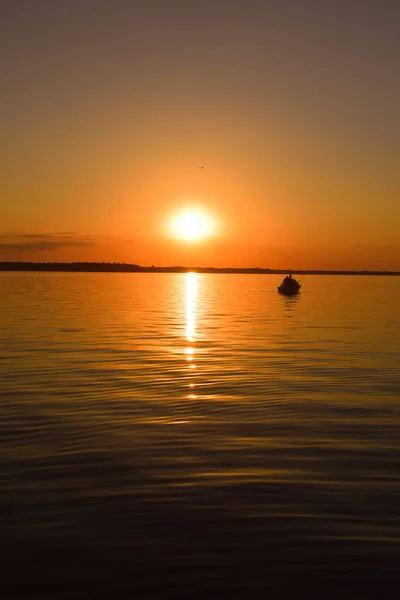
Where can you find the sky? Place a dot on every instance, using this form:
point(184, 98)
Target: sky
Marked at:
point(279, 119)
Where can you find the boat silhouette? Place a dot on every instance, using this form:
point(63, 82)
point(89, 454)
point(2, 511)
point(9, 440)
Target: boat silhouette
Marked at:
point(289, 286)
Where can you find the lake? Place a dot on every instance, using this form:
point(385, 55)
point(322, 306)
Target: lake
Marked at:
point(198, 435)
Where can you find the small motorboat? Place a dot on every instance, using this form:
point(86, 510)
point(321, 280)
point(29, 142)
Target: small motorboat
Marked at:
point(289, 286)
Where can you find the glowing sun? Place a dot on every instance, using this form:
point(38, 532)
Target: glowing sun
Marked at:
point(192, 225)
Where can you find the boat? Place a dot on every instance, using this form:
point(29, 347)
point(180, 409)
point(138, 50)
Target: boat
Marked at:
point(289, 286)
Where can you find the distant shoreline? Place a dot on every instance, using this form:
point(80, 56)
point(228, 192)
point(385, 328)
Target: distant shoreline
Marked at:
point(94, 267)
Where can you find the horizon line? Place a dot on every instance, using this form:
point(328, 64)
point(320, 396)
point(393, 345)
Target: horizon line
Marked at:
point(93, 266)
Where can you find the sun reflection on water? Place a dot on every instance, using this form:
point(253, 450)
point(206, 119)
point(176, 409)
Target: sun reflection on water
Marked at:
point(191, 297)
point(190, 331)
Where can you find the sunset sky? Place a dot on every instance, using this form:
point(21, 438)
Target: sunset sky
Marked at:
point(277, 120)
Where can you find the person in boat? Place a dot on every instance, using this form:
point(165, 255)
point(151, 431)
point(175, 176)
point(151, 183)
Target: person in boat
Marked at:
point(290, 282)
point(289, 285)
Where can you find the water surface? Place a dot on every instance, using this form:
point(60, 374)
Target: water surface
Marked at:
point(172, 432)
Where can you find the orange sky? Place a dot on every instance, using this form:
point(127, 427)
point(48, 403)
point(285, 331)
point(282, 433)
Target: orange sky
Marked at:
point(109, 115)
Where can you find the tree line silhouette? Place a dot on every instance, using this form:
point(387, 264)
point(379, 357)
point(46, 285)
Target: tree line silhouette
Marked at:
point(115, 267)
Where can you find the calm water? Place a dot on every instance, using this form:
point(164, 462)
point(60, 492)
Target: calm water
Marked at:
point(198, 434)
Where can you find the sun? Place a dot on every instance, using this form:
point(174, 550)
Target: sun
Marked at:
point(192, 225)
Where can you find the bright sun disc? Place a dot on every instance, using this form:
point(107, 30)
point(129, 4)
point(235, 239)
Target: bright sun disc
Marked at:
point(192, 225)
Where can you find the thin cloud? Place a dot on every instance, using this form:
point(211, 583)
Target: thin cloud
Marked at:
point(42, 242)
point(46, 245)
point(46, 236)
point(40, 236)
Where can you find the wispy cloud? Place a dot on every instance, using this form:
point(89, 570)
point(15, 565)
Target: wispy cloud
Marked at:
point(42, 242)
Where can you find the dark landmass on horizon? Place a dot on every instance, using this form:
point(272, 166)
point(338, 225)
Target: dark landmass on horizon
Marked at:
point(104, 267)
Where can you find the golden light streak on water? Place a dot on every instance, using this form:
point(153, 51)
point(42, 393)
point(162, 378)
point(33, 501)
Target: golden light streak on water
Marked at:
point(191, 298)
point(191, 304)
